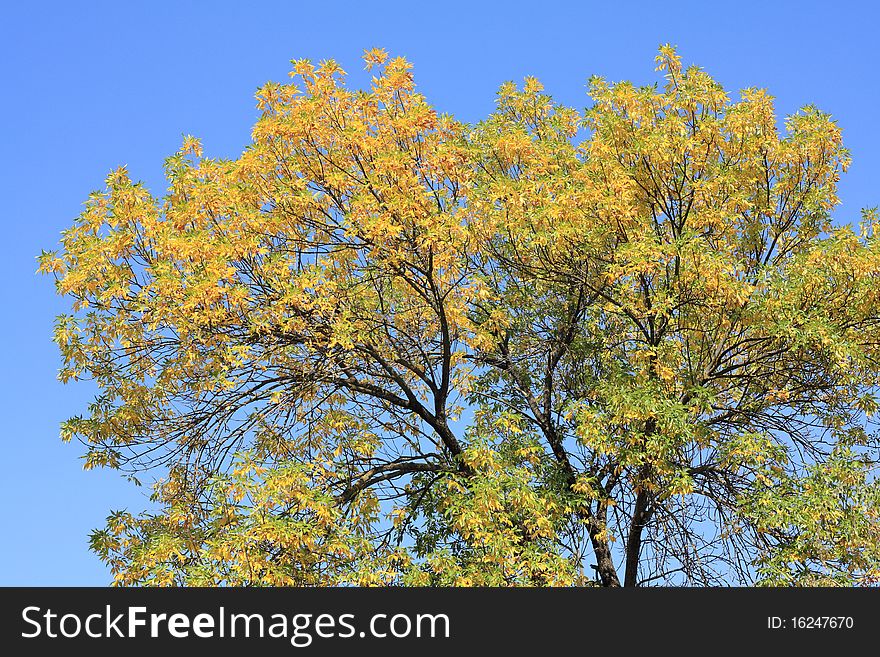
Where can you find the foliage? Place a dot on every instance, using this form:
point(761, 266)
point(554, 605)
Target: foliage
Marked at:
point(621, 346)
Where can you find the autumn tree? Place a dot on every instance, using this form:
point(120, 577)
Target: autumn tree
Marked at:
point(628, 345)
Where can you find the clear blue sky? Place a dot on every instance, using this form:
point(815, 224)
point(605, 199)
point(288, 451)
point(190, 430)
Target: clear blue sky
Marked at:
point(87, 89)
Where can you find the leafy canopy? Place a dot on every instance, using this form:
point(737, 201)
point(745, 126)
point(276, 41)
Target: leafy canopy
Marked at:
point(621, 346)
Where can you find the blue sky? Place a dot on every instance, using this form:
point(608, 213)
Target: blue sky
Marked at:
point(87, 89)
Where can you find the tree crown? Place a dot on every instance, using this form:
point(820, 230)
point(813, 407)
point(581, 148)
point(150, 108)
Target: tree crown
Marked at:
point(627, 345)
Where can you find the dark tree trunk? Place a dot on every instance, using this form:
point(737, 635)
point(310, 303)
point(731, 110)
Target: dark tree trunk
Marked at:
point(634, 539)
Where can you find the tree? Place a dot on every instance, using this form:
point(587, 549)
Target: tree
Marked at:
point(622, 346)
